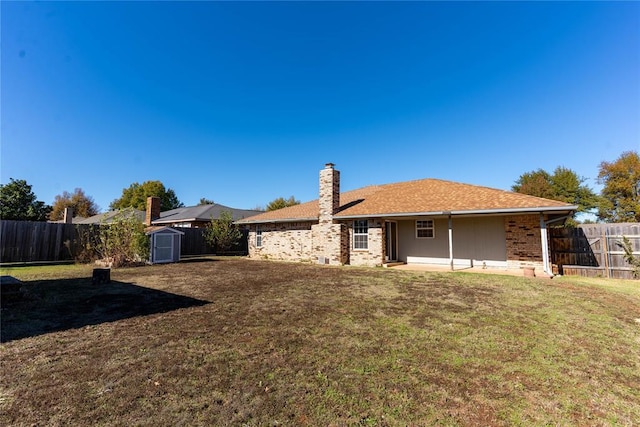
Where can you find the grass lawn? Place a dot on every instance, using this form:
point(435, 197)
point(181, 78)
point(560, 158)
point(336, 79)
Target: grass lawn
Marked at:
point(236, 342)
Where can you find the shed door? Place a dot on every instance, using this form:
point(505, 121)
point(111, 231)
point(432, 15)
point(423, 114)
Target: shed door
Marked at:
point(163, 248)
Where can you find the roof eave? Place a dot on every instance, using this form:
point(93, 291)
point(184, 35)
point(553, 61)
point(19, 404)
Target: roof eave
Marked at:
point(173, 230)
point(278, 220)
point(169, 221)
point(539, 209)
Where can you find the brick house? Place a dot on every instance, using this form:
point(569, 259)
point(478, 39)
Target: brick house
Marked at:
point(427, 221)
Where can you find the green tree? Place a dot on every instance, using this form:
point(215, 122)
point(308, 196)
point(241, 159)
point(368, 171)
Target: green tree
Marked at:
point(564, 185)
point(82, 205)
point(205, 201)
point(620, 201)
point(135, 196)
point(123, 241)
point(535, 183)
point(281, 202)
point(18, 202)
point(222, 233)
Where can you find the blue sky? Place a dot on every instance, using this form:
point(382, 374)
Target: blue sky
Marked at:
point(245, 102)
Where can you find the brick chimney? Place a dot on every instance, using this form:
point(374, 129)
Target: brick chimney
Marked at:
point(329, 201)
point(153, 210)
point(68, 215)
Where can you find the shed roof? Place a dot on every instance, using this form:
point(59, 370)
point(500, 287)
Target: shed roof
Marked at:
point(415, 198)
point(159, 228)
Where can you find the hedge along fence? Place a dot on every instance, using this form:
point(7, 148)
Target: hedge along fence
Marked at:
point(28, 241)
point(593, 250)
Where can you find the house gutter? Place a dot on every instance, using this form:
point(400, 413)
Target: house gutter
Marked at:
point(168, 221)
point(562, 218)
point(412, 214)
point(466, 212)
point(275, 221)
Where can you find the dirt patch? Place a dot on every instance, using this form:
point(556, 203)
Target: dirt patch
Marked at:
point(239, 342)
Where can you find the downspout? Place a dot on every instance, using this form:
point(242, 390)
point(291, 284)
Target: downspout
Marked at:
point(450, 241)
point(545, 246)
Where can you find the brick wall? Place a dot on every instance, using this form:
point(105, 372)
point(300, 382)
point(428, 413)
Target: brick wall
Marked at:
point(312, 242)
point(153, 210)
point(524, 247)
point(373, 256)
point(329, 191)
point(283, 241)
point(329, 243)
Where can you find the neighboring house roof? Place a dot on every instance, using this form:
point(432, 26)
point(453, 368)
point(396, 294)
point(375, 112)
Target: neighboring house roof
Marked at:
point(414, 198)
point(108, 217)
point(201, 213)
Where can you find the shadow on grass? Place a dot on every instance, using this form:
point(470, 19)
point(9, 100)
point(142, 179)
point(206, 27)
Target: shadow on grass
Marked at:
point(56, 305)
point(195, 259)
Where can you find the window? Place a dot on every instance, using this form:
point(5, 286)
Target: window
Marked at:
point(361, 234)
point(258, 236)
point(425, 229)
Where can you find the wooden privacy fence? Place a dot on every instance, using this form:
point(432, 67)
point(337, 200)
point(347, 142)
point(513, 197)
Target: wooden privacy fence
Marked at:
point(594, 250)
point(27, 241)
point(194, 243)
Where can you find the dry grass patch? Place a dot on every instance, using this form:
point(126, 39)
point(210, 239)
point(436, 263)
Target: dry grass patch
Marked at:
point(238, 342)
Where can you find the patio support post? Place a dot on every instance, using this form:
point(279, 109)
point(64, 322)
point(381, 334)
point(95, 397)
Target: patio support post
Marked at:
point(451, 242)
point(545, 245)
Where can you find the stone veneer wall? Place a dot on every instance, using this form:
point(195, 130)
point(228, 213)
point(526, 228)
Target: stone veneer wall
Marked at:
point(282, 241)
point(524, 245)
point(373, 256)
point(329, 201)
point(329, 244)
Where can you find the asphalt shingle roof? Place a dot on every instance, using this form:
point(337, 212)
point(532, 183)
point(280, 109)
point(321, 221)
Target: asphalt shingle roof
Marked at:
point(109, 217)
point(184, 214)
point(201, 213)
point(425, 196)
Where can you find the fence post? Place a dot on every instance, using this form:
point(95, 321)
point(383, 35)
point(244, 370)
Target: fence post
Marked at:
point(605, 250)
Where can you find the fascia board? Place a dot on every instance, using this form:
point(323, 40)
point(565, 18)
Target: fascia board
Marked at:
point(275, 221)
point(465, 212)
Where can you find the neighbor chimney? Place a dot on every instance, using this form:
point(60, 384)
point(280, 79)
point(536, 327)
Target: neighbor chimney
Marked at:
point(68, 215)
point(329, 201)
point(153, 210)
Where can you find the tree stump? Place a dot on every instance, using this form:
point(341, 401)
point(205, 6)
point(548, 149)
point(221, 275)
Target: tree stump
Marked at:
point(101, 275)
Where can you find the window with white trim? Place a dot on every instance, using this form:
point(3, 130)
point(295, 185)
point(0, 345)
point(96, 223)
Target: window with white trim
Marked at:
point(425, 229)
point(258, 236)
point(360, 234)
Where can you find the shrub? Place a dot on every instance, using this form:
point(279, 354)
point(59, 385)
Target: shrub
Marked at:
point(123, 241)
point(223, 233)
